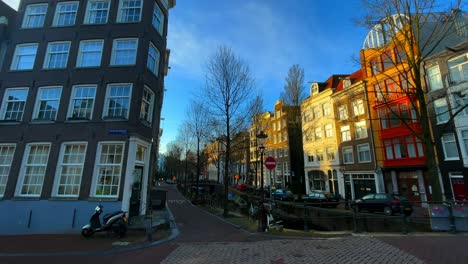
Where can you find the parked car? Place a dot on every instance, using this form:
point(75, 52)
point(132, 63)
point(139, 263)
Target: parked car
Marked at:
point(322, 199)
point(283, 195)
point(383, 202)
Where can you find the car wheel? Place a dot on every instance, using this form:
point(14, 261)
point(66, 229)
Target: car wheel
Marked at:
point(87, 232)
point(388, 211)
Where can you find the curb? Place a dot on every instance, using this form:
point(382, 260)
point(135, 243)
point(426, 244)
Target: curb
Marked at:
point(174, 233)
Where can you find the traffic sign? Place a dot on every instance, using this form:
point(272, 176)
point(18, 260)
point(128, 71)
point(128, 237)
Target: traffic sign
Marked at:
point(270, 163)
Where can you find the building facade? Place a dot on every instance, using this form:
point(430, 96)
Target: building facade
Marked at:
point(81, 94)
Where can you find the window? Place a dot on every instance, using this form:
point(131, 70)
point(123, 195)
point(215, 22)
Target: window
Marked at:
point(317, 112)
point(319, 155)
point(328, 130)
point(165, 3)
point(158, 19)
point(314, 89)
point(464, 137)
point(348, 155)
point(65, 14)
point(57, 55)
point(286, 152)
point(383, 118)
point(363, 153)
point(82, 102)
point(387, 62)
point(343, 112)
point(345, 133)
point(117, 102)
point(14, 102)
point(147, 103)
point(458, 68)
point(441, 110)
point(24, 57)
point(129, 11)
point(310, 157)
point(378, 92)
point(388, 149)
point(434, 78)
point(90, 53)
point(360, 129)
point(318, 133)
point(392, 89)
point(70, 169)
point(97, 12)
point(400, 149)
point(410, 146)
point(400, 54)
point(47, 104)
point(330, 154)
point(6, 157)
point(108, 169)
point(394, 117)
point(358, 107)
point(326, 109)
point(33, 170)
point(375, 66)
point(124, 51)
point(450, 147)
point(153, 59)
point(34, 16)
point(286, 168)
point(461, 101)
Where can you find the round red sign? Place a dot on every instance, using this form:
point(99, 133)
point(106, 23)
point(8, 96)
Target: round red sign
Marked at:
point(270, 163)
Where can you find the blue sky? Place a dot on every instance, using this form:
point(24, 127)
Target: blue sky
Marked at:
point(270, 35)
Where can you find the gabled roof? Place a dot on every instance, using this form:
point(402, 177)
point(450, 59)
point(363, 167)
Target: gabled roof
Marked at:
point(355, 77)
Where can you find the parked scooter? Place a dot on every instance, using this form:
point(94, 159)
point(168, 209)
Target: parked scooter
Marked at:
point(115, 222)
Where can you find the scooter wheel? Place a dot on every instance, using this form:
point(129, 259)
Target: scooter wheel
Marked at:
point(87, 232)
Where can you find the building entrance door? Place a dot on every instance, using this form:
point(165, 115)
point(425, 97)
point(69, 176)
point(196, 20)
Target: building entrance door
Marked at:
point(135, 199)
point(459, 189)
point(363, 187)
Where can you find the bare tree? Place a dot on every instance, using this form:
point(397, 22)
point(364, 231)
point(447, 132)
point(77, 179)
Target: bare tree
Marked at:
point(172, 160)
point(185, 139)
point(258, 108)
point(294, 90)
point(228, 86)
point(415, 30)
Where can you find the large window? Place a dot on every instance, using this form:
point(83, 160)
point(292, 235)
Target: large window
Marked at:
point(158, 19)
point(24, 57)
point(34, 16)
point(90, 53)
point(450, 147)
point(326, 109)
point(363, 153)
point(319, 155)
point(13, 104)
point(345, 133)
point(129, 11)
point(57, 55)
point(387, 61)
point(318, 133)
point(343, 112)
point(441, 111)
point(464, 137)
point(403, 148)
point(147, 104)
point(47, 104)
point(358, 107)
point(70, 169)
point(360, 129)
point(153, 59)
point(460, 102)
point(33, 169)
point(97, 12)
point(348, 155)
point(434, 78)
point(6, 157)
point(458, 68)
point(117, 104)
point(108, 169)
point(82, 102)
point(65, 14)
point(375, 66)
point(317, 112)
point(328, 130)
point(124, 51)
point(330, 153)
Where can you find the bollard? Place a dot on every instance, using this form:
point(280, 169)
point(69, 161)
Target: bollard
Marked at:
point(404, 219)
point(306, 229)
point(355, 227)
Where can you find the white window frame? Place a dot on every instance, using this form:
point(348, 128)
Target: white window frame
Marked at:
point(49, 54)
point(159, 18)
point(464, 141)
point(348, 151)
point(328, 130)
point(24, 169)
point(434, 78)
point(16, 57)
point(74, 97)
point(347, 136)
point(87, 19)
point(77, 164)
point(6, 160)
point(441, 110)
point(150, 103)
point(59, 12)
point(115, 51)
point(6, 101)
point(28, 15)
point(108, 98)
point(319, 155)
point(318, 133)
point(331, 153)
point(121, 11)
point(326, 109)
point(458, 69)
point(343, 112)
point(453, 145)
point(360, 151)
point(39, 100)
point(79, 60)
point(98, 164)
point(155, 68)
point(459, 102)
point(360, 129)
point(358, 107)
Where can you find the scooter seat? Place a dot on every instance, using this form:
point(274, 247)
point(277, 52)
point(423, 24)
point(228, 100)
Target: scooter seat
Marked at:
point(107, 216)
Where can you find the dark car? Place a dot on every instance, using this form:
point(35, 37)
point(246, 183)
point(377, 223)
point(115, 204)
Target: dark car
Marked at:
point(283, 195)
point(383, 202)
point(322, 199)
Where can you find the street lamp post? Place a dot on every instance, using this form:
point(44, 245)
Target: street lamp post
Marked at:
point(262, 221)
